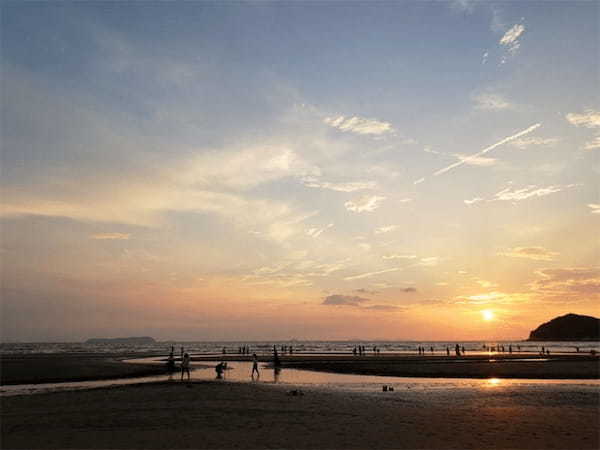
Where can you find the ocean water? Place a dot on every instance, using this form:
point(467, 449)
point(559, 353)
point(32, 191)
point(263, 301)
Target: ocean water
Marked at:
point(299, 347)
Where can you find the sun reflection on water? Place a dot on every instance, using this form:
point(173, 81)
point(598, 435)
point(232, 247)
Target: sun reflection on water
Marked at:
point(491, 382)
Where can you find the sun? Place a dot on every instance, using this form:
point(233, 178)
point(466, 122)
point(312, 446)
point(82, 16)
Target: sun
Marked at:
point(487, 315)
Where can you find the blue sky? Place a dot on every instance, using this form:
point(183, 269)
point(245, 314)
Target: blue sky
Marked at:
point(414, 160)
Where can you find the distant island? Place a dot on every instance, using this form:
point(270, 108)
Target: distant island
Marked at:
point(143, 340)
point(570, 327)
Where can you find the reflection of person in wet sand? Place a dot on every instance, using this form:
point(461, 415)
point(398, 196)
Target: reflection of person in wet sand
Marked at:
point(255, 365)
point(185, 366)
point(276, 372)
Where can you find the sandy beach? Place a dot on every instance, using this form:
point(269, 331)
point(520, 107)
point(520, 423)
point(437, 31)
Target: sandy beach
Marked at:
point(235, 415)
point(224, 414)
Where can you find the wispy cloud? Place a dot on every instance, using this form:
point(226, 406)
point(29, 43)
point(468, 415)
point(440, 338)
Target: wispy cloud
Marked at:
point(510, 39)
point(371, 274)
point(433, 152)
point(351, 186)
point(489, 149)
point(419, 181)
point(476, 160)
point(510, 194)
point(485, 283)
point(492, 102)
point(359, 125)
point(429, 261)
point(568, 284)
point(398, 256)
point(344, 300)
point(473, 201)
point(109, 236)
point(387, 229)
point(531, 141)
point(589, 119)
point(390, 308)
point(366, 291)
point(367, 203)
point(491, 297)
point(534, 253)
point(357, 302)
point(595, 208)
point(316, 232)
point(593, 144)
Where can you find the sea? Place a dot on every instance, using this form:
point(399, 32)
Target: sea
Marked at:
point(299, 347)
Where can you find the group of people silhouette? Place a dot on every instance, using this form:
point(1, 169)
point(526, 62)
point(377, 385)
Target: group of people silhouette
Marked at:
point(185, 363)
point(458, 350)
point(361, 350)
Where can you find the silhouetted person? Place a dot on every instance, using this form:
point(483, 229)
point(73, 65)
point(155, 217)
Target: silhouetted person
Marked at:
point(431, 348)
point(220, 368)
point(510, 349)
point(354, 351)
point(171, 360)
point(255, 365)
point(291, 349)
point(447, 351)
point(185, 366)
point(457, 350)
point(462, 350)
point(224, 351)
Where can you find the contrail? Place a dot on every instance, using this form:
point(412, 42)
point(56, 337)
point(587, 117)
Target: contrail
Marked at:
point(488, 149)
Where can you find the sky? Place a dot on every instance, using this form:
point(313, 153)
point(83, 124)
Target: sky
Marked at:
point(306, 170)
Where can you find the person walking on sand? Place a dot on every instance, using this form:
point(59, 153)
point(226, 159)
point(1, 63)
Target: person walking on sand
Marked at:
point(255, 365)
point(185, 366)
point(171, 360)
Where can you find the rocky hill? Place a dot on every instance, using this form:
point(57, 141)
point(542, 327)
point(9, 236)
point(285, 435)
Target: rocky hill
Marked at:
point(571, 327)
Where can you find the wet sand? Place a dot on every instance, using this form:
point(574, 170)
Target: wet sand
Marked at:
point(476, 366)
point(221, 415)
point(56, 368)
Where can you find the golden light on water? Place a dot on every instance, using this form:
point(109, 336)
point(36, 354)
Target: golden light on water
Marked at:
point(487, 315)
point(493, 381)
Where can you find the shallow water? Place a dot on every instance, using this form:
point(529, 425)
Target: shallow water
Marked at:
point(310, 347)
point(297, 378)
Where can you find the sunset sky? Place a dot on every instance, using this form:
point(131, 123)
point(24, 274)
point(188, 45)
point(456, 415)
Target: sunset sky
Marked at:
point(318, 170)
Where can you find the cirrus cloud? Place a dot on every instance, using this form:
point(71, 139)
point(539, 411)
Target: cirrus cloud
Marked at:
point(366, 203)
point(534, 253)
point(359, 125)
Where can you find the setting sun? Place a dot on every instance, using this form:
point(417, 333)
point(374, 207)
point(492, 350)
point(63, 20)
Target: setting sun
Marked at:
point(487, 315)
